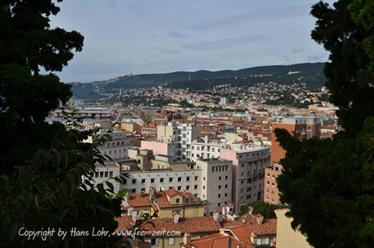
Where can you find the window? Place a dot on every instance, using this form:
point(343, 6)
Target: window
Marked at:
point(219, 178)
point(179, 179)
point(219, 195)
point(171, 241)
point(133, 181)
point(177, 200)
point(195, 187)
point(219, 186)
point(143, 180)
point(152, 180)
point(196, 177)
point(187, 187)
point(226, 177)
point(170, 179)
point(179, 187)
point(96, 174)
point(133, 190)
point(155, 241)
point(143, 190)
point(161, 180)
point(101, 174)
point(110, 173)
point(187, 179)
point(225, 186)
point(225, 194)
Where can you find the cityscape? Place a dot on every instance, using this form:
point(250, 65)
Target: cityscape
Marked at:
point(194, 151)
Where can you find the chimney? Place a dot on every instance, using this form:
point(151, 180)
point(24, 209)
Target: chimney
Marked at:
point(250, 210)
point(176, 218)
point(134, 216)
point(215, 216)
point(230, 243)
point(186, 238)
point(259, 219)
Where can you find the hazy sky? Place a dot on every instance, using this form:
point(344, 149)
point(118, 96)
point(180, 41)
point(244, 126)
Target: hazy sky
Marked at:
point(123, 36)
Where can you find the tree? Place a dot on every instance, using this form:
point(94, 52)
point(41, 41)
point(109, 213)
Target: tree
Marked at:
point(329, 184)
point(42, 165)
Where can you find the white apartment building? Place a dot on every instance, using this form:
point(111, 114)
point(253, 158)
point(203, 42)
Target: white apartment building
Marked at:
point(181, 179)
point(180, 135)
point(202, 148)
point(117, 146)
point(249, 164)
point(107, 173)
point(216, 183)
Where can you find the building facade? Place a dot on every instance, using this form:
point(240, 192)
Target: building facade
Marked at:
point(216, 183)
point(248, 170)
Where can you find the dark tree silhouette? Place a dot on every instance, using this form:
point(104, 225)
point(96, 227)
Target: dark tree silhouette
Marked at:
point(42, 165)
point(329, 184)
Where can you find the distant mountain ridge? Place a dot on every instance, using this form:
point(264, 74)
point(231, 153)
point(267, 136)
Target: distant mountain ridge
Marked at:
point(309, 73)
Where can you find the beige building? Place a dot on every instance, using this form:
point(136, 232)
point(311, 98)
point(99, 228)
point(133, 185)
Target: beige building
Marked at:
point(129, 126)
point(286, 236)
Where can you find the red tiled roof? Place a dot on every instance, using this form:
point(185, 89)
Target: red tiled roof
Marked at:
point(137, 201)
point(240, 233)
point(204, 224)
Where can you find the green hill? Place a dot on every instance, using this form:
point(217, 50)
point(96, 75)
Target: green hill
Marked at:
point(309, 73)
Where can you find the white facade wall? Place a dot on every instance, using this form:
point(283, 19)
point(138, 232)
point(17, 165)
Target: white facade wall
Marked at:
point(107, 173)
point(182, 180)
point(117, 147)
point(185, 135)
point(180, 136)
point(205, 150)
point(216, 183)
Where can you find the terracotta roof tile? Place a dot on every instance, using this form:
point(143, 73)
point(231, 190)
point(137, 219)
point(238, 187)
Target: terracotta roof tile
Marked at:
point(204, 224)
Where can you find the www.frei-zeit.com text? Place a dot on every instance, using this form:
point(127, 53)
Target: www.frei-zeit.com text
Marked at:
point(52, 232)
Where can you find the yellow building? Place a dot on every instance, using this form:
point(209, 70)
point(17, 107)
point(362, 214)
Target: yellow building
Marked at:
point(287, 237)
point(129, 126)
point(180, 217)
point(166, 204)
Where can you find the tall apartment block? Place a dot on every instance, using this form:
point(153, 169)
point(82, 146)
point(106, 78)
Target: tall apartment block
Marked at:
point(180, 136)
point(248, 165)
point(303, 127)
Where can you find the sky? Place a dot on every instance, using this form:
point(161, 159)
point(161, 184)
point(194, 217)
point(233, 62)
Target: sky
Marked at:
point(128, 36)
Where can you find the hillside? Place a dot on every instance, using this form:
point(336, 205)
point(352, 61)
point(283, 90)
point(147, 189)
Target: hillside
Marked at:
point(309, 73)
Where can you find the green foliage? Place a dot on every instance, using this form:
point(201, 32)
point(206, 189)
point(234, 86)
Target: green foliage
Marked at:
point(265, 209)
point(346, 31)
point(43, 165)
point(329, 184)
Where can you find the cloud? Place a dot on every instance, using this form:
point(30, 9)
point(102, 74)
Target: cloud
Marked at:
point(176, 34)
point(228, 42)
point(273, 13)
